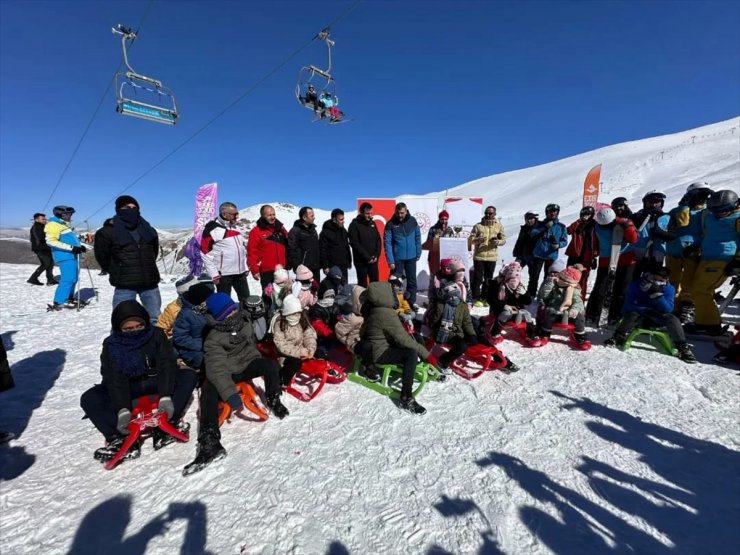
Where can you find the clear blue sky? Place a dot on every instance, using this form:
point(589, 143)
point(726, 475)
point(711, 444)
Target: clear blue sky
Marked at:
point(441, 93)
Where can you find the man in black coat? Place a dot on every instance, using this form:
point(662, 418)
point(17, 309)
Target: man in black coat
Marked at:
point(334, 244)
point(128, 251)
point(365, 241)
point(303, 243)
point(42, 250)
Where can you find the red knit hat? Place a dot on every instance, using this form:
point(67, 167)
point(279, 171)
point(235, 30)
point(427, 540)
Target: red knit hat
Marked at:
point(444, 214)
point(570, 275)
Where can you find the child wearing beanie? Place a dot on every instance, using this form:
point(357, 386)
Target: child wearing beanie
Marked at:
point(166, 319)
point(508, 301)
point(280, 287)
point(294, 338)
point(561, 302)
point(187, 332)
point(304, 286)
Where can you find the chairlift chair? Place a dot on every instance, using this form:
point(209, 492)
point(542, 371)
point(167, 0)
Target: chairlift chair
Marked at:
point(321, 79)
point(160, 104)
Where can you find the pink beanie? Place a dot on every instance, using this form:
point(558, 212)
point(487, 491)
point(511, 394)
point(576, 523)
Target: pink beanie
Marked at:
point(570, 275)
point(302, 273)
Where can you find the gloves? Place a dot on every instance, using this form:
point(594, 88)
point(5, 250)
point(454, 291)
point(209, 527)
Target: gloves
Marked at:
point(124, 417)
point(549, 223)
point(471, 340)
point(554, 245)
point(78, 250)
point(235, 402)
point(733, 268)
point(167, 406)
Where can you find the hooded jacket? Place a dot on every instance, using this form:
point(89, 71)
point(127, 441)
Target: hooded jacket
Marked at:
point(224, 249)
point(482, 236)
point(132, 265)
point(266, 246)
point(187, 334)
point(347, 329)
point(583, 241)
point(364, 239)
point(382, 328)
point(292, 341)
point(334, 246)
point(303, 246)
point(545, 237)
point(402, 239)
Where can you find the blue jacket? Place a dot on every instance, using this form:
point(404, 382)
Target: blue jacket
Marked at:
point(651, 240)
point(721, 237)
point(187, 334)
point(402, 239)
point(636, 300)
point(686, 224)
point(61, 238)
point(544, 236)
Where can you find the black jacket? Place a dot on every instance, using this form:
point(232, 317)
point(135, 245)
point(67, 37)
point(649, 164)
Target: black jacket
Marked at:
point(525, 242)
point(511, 298)
point(130, 266)
point(38, 238)
point(334, 246)
point(303, 246)
point(364, 239)
point(161, 364)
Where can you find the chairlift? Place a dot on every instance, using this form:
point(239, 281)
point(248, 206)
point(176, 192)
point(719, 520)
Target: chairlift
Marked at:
point(141, 96)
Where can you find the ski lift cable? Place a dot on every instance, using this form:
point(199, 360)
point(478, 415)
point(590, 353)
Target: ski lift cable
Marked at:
point(95, 113)
point(218, 115)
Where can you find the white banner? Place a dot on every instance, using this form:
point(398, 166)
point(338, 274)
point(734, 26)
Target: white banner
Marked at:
point(456, 248)
point(464, 212)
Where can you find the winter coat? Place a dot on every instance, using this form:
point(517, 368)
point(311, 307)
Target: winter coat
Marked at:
point(462, 324)
point(266, 246)
point(545, 237)
point(651, 240)
point(187, 335)
point(516, 298)
point(38, 238)
point(227, 354)
point(130, 266)
point(432, 245)
point(324, 313)
point(402, 239)
point(329, 283)
point(382, 328)
point(303, 246)
point(306, 296)
point(334, 246)
point(160, 362)
point(166, 319)
point(224, 249)
point(685, 223)
point(637, 300)
point(364, 240)
point(482, 237)
point(61, 238)
point(583, 241)
point(604, 233)
point(721, 236)
point(292, 341)
point(552, 296)
point(347, 328)
point(524, 245)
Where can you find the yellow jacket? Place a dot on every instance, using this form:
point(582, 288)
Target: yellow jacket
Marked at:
point(168, 316)
point(486, 237)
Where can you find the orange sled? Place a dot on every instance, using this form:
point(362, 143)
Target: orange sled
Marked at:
point(250, 400)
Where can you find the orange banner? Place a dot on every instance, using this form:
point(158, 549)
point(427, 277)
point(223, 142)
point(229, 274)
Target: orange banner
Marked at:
point(591, 186)
point(383, 209)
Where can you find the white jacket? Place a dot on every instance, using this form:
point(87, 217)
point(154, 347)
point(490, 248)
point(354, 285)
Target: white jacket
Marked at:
point(224, 249)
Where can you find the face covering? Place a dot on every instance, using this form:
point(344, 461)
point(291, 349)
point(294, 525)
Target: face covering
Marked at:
point(459, 276)
point(129, 216)
point(306, 285)
point(293, 319)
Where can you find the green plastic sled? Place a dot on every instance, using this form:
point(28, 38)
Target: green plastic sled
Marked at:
point(390, 378)
point(662, 340)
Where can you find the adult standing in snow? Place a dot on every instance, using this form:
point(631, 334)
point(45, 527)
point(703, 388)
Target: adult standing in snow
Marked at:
point(582, 247)
point(402, 242)
point(364, 239)
point(436, 232)
point(128, 251)
point(266, 248)
point(549, 237)
point(524, 245)
point(485, 238)
point(107, 223)
point(225, 252)
point(42, 251)
point(334, 244)
point(303, 243)
point(65, 248)
point(652, 225)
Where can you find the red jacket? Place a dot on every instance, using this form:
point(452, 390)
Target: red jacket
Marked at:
point(266, 246)
point(630, 236)
point(583, 241)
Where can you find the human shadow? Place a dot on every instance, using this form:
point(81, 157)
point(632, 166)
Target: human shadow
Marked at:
point(337, 548)
point(450, 507)
point(102, 529)
point(14, 461)
point(7, 339)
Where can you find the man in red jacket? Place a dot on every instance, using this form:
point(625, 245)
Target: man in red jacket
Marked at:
point(266, 247)
point(583, 244)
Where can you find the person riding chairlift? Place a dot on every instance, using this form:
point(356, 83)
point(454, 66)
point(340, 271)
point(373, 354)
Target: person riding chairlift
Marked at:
point(331, 102)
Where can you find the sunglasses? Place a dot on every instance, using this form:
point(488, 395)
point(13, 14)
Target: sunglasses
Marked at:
point(490, 213)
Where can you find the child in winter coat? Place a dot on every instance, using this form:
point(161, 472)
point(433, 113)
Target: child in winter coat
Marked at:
point(561, 301)
point(137, 359)
point(231, 356)
point(404, 308)
point(508, 301)
point(281, 287)
point(187, 333)
point(323, 314)
point(333, 280)
point(649, 303)
point(347, 328)
point(166, 319)
point(451, 323)
point(303, 288)
point(293, 336)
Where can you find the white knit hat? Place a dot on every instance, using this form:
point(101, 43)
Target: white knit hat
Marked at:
point(291, 305)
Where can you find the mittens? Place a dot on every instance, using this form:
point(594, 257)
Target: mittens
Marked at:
point(167, 406)
point(235, 401)
point(124, 417)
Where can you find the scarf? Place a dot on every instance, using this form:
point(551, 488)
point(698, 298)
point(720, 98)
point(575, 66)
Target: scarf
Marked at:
point(231, 325)
point(451, 300)
point(128, 223)
point(123, 350)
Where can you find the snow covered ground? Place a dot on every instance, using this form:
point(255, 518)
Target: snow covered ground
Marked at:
point(578, 453)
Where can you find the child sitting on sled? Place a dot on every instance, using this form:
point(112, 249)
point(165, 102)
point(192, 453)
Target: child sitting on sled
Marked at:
point(508, 301)
point(281, 287)
point(187, 332)
point(347, 328)
point(304, 286)
point(294, 338)
point(137, 360)
point(561, 301)
point(166, 320)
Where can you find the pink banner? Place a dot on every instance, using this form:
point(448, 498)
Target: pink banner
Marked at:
point(205, 208)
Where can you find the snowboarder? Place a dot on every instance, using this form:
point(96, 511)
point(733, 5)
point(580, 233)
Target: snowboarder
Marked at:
point(549, 237)
point(42, 251)
point(65, 248)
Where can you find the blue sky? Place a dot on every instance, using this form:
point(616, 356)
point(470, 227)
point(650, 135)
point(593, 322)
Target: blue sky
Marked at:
point(440, 93)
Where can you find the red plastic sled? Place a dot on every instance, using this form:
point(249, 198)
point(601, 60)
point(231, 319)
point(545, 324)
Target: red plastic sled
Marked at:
point(145, 415)
point(570, 329)
point(481, 356)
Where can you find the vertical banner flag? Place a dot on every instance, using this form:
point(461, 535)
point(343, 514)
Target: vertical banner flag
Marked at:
point(591, 186)
point(383, 209)
point(205, 211)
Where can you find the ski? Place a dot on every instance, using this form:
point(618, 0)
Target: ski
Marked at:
point(735, 282)
point(617, 235)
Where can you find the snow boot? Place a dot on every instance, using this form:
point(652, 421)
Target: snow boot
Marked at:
point(615, 340)
point(34, 281)
point(52, 281)
point(209, 450)
point(685, 354)
point(510, 367)
point(277, 408)
point(532, 339)
point(104, 454)
point(581, 342)
point(371, 374)
point(161, 438)
point(410, 404)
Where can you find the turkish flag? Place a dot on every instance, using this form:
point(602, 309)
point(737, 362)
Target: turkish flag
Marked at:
point(383, 209)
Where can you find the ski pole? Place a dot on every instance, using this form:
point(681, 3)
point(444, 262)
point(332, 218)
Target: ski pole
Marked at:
point(78, 283)
point(92, 283)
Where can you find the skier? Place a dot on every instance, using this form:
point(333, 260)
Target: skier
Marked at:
point(508, 301)
point(614, 273)
point(549, 236)
point(485, 238)
point(681, 259)
point(294, 338)
point(562, 302)
point(137, 360)
point(648, 303)
point(582, 247)
point(652, 225)
point(720, 258)
point(65, 248)
point(42, 251)
point(231, 356)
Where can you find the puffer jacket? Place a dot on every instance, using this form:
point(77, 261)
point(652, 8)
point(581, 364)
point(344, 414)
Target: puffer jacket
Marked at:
point(292, 341)
point(334, 246)
point(637, 300)
point(61, 238)
point(227, 354)
point(553, 296)
point(402, 239)
point(482, 236)
point(38, 238)
point(266, 246)
point(224, 249)
point(524, 245)
point(347, 329)
point(583, 241)
point(303, 246)
point(364, 240)
point(166, 319)
point(685, 222)
point(160, 362)
point(130, 266)
point(545, 237)
point(187, 334)
point(721, 236)
point(604, 234)
point(651, 240)
point(382, 328)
